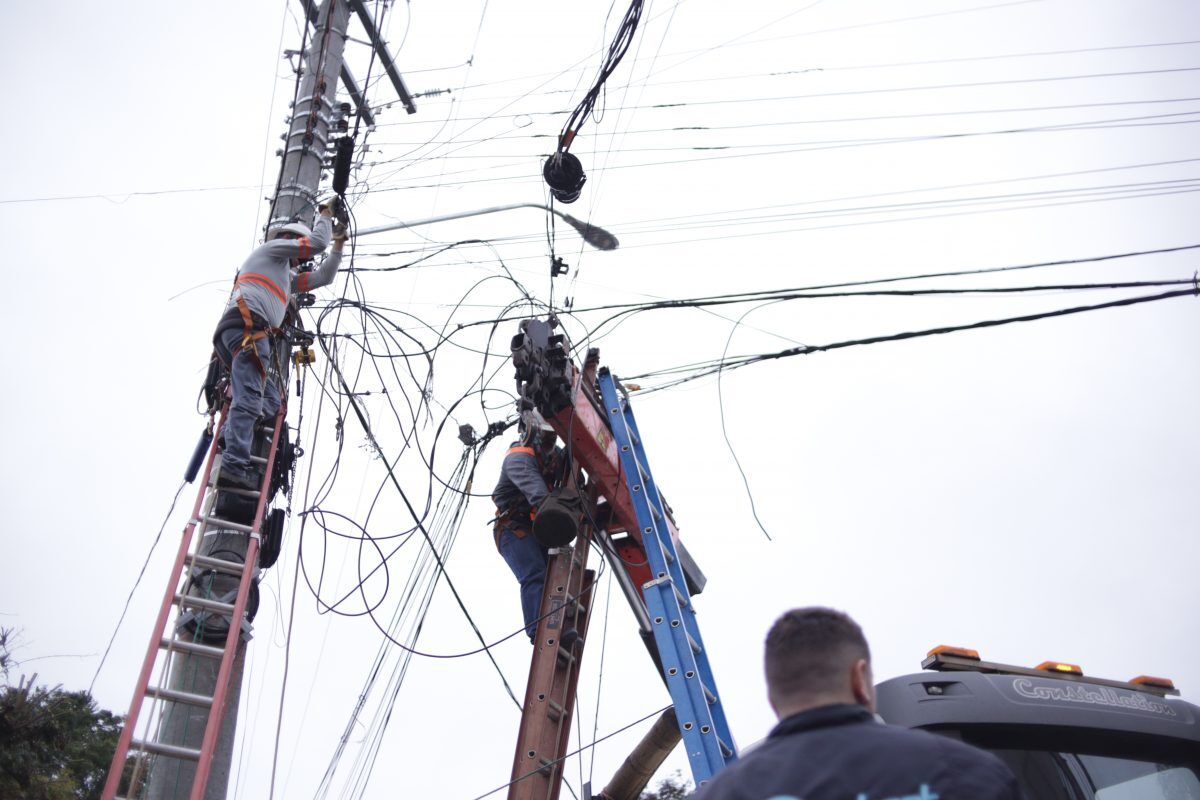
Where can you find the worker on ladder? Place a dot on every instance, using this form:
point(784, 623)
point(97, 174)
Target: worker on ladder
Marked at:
point(531, 466)
point(245, 338)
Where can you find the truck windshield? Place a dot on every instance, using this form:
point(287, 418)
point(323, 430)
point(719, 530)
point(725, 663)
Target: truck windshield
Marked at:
point(1048, 775)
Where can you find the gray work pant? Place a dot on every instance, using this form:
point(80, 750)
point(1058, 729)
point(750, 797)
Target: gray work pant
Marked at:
point(254, 396)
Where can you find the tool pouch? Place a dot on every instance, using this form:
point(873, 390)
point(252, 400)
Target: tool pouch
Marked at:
point(558, 518)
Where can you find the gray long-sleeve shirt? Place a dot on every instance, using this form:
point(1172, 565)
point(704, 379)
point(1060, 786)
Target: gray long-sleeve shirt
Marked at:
point(521, 485)
point(266, 280)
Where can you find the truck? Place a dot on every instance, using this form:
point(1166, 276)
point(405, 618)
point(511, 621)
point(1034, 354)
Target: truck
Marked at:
point(1064, 734)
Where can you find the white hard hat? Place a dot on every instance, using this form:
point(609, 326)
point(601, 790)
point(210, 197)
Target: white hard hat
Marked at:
point(298, 228)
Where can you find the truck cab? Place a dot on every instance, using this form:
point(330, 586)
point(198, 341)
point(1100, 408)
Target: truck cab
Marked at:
point(1065, 735)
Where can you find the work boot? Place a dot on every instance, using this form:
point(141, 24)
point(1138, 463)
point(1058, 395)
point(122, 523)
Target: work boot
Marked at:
point(236, 480)
point(570, 637)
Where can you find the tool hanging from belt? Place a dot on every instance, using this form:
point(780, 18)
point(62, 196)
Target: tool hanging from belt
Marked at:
point(513, 519)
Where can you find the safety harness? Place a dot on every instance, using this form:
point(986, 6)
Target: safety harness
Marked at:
point(252, 329)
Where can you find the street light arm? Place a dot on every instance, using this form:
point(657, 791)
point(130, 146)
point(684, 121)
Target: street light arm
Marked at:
point(595, 236)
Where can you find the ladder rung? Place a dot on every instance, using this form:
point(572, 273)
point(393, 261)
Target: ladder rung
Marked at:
point(547, 766)
point(243, 492)
point(203, 602)
point(709, 697)
point(215, 564)
point(694, 644)
point(556, 712)
point(726, 750)
point(257, 460)
point(680, 597)
point(174, 696)
point(580, 608)
point(226, 524)
point(565, 656)
point(193, 648)
point(670, 558)
point(170, 750)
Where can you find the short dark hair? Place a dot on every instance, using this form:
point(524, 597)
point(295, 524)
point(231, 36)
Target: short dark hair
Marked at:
point(808, 651)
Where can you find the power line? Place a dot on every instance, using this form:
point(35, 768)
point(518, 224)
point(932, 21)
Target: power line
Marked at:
point(699, 370)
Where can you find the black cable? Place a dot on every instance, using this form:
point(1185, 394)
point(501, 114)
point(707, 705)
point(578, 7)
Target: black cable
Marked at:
point(736, 363)
point(137, 582)
point(616, 51)
point(768, 293)
point(593, 743)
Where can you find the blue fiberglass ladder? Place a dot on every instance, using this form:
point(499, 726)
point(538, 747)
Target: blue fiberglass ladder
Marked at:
point(684, 662)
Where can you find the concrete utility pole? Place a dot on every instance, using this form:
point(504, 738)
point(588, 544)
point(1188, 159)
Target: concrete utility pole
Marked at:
point(304, 154)
point(296, 199)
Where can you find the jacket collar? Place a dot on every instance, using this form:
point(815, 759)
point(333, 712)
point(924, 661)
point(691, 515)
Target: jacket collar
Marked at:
point(821, 717)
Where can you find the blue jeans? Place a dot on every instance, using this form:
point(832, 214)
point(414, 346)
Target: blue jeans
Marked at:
point(253, 397)
point(527, 559)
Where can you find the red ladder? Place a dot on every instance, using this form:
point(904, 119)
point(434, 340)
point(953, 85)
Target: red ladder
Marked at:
point(553, 674)
point(186, 592)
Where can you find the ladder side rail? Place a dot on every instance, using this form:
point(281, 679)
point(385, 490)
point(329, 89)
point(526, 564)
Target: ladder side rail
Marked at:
point(664, 558)
point(675, 570)
point(675, 626)
point(699, 730)
point(585, 427)
point(581, 590)
point(550, 690)
point(679, 661)
point(640, 485)
point(586, 431)
point(160, 625)
point(639, 451)
point(250, 566)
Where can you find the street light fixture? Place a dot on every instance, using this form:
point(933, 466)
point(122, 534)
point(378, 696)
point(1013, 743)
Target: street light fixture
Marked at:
point(595, 236)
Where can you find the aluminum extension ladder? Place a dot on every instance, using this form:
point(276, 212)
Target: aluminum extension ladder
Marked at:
point(689, 678)
point(187, 590)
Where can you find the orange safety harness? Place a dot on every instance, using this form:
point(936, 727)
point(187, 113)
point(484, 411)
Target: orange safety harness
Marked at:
point(251, 333)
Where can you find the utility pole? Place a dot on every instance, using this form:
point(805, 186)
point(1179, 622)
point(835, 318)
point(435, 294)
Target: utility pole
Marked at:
point(296, 199)
point(312, 112)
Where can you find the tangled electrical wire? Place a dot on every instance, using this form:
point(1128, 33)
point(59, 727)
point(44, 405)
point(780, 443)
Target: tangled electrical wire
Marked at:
point(396, 380)
point(563, 171)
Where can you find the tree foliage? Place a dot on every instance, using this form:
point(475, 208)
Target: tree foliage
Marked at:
point(54, 744)
point(674, 787)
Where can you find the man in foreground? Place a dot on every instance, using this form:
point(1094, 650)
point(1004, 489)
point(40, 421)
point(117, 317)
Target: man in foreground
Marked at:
point(828, 744)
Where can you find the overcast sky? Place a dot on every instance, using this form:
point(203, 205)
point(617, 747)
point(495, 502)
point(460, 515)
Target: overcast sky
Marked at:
point(1026, 490)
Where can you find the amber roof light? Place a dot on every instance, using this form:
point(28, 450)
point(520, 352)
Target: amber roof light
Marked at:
point(947, 650)
point(1058, 666)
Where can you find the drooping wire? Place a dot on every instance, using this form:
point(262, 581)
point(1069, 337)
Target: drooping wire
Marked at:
point(616, 51)
point(137, 582)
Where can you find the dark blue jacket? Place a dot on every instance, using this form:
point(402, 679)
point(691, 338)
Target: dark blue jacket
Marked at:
point(840, 752)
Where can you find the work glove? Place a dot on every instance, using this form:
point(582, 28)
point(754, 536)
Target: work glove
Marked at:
point(340, 234)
